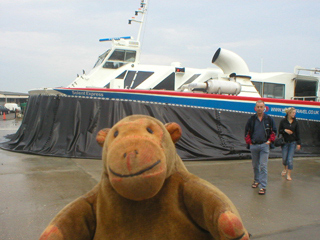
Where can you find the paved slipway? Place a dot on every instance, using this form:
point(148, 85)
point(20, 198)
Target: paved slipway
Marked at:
point(34, 188)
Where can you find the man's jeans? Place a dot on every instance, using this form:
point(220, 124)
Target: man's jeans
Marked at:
point(260, 155)
point(287, 154)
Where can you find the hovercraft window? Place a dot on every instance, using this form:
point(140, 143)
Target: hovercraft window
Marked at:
point(273, 90)
point(123, 55)
point(270, 90)
point(113, 65)
point(258, 86)
point(101, 58)
point(305, 90)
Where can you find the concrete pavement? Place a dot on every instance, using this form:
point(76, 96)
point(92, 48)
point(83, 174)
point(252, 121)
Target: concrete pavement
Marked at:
point(34, 188)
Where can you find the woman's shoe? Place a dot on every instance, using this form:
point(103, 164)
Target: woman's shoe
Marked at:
point(255, 184)
point(289, 178)
point(283, 173)
point(262, 191)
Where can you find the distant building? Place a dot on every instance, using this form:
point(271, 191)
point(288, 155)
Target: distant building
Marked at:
point(13, 97)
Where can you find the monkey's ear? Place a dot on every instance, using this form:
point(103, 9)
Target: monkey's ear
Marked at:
point(101, 136)
point(175, 131)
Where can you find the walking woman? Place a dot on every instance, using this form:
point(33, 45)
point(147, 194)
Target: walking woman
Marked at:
point(289, 128)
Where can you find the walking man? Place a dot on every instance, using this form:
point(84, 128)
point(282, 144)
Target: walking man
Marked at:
point(260, 132)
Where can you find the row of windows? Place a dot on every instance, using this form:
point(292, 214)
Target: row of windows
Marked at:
point(133, 79)
point(123, 56)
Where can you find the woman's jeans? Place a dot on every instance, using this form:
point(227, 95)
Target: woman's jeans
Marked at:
point(260, 155)
point(287, 154)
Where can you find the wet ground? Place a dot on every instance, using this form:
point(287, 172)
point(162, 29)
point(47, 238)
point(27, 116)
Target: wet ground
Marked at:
point(34, 188)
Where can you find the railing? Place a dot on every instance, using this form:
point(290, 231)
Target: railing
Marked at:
point(307, 98)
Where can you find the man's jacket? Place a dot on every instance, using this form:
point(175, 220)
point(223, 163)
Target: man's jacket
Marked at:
point(269, 127)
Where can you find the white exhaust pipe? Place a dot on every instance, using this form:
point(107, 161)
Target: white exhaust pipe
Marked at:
point(230, 62)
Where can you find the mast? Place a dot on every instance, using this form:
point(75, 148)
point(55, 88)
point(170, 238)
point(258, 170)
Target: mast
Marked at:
point(143, 11)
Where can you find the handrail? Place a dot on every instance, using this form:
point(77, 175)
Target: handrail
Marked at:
point(304, 98)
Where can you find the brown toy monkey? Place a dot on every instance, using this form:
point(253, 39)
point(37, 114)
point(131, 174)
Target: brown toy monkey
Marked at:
point(146, 192)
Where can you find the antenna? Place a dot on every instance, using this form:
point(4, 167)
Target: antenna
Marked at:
point(143, 11)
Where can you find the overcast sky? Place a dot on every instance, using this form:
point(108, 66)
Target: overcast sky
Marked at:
point(46, 43)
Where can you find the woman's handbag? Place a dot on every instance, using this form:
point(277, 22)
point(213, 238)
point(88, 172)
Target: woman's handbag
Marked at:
point(279, 141)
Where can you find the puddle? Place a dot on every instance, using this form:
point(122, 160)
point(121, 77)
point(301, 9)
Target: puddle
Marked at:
point(10, 125)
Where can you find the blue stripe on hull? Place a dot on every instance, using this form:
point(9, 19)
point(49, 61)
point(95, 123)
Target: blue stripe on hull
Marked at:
point(304, 112)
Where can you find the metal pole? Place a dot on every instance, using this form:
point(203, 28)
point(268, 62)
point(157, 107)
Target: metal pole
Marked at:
point(144, 5)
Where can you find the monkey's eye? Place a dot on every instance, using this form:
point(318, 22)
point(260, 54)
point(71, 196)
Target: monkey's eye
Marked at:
point(116, 133)
point(149, 130)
